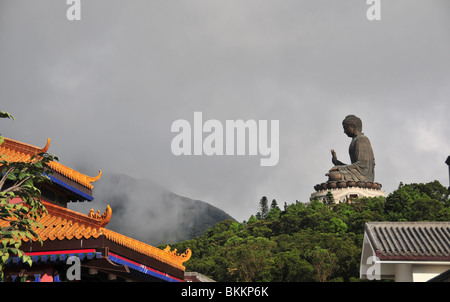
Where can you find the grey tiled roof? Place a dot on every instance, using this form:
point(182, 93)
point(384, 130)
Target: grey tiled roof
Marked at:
point(410, 240)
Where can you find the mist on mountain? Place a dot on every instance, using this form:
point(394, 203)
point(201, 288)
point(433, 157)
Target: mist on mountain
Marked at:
point(143, 210)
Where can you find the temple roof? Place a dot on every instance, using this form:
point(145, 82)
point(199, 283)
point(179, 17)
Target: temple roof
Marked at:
point(64, 224)
point(410, 240)
point(64, 229)
point(15, 151)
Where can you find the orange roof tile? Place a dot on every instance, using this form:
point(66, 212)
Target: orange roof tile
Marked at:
point(62, 223)
point(166, 256)
point(15, 151)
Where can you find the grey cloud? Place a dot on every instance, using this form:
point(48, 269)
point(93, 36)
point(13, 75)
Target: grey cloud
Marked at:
point(107, 88)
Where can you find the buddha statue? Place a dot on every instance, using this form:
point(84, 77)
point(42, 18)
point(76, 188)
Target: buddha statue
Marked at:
point(361, 155)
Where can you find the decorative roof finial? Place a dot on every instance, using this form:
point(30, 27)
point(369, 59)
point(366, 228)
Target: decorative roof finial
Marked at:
point(45, 149)
point(94, 179)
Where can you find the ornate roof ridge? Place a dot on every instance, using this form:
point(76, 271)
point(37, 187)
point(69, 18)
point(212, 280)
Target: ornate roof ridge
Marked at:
point(70, 173)
point(24, 148)
point(165, 256)
point(92, 219)
point(62, 223)
point(19, 151)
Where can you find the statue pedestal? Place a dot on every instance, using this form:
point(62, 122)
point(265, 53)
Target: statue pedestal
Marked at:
point(344, 194)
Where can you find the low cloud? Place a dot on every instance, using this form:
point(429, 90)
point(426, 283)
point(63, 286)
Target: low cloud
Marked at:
point(106, 89)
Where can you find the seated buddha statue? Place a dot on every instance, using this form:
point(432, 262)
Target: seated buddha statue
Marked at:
point(361, 155)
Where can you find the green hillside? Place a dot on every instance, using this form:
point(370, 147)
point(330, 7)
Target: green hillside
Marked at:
point(307, 242)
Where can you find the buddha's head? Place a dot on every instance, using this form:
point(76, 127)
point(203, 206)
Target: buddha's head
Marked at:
point(352, 125)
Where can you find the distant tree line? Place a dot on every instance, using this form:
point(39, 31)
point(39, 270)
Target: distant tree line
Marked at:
point(307, 242)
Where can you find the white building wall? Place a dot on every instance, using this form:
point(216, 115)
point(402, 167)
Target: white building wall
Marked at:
point(344, 194)
point(423, 273)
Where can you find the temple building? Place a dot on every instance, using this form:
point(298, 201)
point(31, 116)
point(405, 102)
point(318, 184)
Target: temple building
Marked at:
point(416, 251)
point(79, 247)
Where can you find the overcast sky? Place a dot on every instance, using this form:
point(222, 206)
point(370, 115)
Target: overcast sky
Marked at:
point(106, 89)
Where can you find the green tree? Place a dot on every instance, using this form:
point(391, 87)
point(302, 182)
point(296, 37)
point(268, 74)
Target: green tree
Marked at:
point(324, 263)
point(338, 226)
point(417, 202)
point(290, 266)
point(425, 209)
point(291, 218)
point(250, 258)
point(263, 208)
point(434, 190)
point(398, 203)
point(252, 219)
point(329, 199)
point(274, 212)
point(19, 181)
point(274, 205)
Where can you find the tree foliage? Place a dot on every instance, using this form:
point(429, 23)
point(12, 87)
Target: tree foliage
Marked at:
point(19, 182)
point(307, 242)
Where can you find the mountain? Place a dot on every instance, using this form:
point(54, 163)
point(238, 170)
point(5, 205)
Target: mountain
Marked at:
point(145, 211)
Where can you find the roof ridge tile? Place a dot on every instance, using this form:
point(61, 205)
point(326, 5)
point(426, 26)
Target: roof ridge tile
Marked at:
point(15, 151)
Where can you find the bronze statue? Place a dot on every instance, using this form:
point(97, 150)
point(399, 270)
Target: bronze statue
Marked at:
point(361, 155)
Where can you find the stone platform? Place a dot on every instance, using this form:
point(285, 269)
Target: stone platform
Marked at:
point(345, 191)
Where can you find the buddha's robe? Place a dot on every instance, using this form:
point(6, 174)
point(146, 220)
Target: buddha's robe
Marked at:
point(362, 167)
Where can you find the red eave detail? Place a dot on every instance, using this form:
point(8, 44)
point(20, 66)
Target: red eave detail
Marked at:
point(411, 258)
point(61, 252)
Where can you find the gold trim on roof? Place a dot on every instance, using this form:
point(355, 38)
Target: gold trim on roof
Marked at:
point(104, 218)
point(45, 149)
point(15, 151)
point(166, 256)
